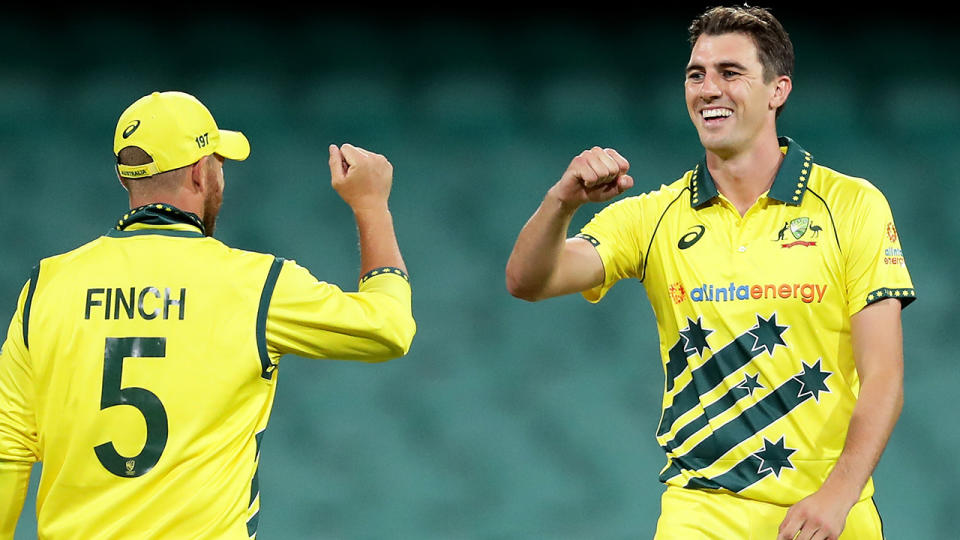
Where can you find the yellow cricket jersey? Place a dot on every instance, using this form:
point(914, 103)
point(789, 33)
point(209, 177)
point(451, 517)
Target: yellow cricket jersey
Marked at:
point(141, 369)
point(754, 314)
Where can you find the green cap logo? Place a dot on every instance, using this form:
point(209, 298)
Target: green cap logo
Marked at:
point(131, 128)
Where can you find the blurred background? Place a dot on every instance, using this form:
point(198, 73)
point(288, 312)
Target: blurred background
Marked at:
point(507, 419)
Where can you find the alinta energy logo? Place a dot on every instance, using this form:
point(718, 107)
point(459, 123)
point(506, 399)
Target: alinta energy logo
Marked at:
point(805, 292)
point(798, 228)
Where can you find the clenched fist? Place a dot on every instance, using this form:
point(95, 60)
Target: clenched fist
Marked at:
point(596, 175)
point(361, 178)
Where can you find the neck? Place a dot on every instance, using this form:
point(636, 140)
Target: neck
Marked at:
point(744, 176)
point(183, 203)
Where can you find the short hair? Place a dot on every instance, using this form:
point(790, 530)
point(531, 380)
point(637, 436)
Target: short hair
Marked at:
point(774, 47)
point(134, 155)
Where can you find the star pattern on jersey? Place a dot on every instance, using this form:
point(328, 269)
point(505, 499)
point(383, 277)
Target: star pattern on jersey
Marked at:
point(774, 457)
point(812, 380)
point(767, 334)
point(695, 336)
point(750, 383)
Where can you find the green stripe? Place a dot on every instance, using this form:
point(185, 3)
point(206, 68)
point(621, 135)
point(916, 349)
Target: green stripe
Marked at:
point(768, 410)
point(765, 336)
point(740, 476)
point(252, 524)
point(254, 486)
point(255, 483)
point(676, 363)
point(713, 410)
point(711, 373)
point(34, 277)
point(162, 232)
point(271, 282)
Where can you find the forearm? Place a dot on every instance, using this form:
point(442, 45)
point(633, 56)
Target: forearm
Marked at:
point(874, 416)
point(378, 241)
point(539, 247)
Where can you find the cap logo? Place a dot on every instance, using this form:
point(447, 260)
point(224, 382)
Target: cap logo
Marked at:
point(131, 128)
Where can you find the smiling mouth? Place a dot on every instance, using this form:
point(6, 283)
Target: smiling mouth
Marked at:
point(715, 116)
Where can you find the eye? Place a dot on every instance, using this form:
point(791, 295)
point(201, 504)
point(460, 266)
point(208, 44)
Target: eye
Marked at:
point(695, 76)
point(729, 74)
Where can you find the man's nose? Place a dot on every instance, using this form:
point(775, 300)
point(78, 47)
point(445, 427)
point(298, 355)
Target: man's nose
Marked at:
point(710, 89)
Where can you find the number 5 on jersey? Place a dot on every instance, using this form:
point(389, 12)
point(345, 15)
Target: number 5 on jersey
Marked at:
point(115, 352)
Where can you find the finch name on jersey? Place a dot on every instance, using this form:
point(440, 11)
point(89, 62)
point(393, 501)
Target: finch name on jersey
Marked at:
point(148, 302)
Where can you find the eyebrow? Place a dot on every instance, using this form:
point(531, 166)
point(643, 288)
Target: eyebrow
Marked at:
point(720, 66)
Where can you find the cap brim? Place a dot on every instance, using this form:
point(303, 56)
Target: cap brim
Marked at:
point(233, 145)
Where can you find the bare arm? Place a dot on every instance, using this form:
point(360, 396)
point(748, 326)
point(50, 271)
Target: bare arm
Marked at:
point(363, 179)
point(877, 338)
point(544, 263)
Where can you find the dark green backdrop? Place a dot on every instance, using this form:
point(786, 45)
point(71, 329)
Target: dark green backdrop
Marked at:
point(507, 419)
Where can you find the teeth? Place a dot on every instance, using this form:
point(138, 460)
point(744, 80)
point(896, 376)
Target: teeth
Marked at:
point(717, 113)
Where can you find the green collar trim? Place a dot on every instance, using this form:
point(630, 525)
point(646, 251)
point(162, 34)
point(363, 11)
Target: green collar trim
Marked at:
point(113, 233)
point(789, 186)
point(157, 218)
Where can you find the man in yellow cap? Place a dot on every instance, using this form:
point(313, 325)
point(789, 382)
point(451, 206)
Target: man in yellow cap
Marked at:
point(141, 367)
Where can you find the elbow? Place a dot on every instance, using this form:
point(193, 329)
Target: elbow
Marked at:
point(397, 343)
point(518, 289)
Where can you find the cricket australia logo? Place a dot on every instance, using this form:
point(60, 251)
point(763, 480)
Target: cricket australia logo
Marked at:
point(798, 228)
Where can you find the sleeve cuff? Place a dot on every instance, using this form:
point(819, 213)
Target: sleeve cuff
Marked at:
point(905, 295)
point(390, 281)
point(384, 270)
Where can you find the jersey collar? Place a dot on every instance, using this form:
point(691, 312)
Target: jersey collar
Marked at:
point(789, 186)
point(157, 218)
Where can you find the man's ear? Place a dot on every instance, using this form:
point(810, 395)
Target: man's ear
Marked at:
point(198, 175)
point(782, 87)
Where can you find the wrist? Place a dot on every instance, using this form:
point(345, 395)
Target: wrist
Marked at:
point(846, 491)
point(365, 209)
point(556, 200)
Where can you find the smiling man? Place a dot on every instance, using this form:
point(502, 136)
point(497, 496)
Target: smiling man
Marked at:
point(781, 346)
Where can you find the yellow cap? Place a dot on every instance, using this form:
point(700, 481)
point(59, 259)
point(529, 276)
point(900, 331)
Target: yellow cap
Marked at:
point(176, 130)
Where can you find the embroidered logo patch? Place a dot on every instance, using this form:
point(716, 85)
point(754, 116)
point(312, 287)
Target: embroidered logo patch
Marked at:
point(798, 228)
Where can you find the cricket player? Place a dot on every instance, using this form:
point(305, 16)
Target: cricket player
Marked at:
point(141, 368)
point(777, 285)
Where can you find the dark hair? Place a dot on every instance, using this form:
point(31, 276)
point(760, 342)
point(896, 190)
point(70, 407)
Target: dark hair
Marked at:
point(773, 44)
point(133, 155)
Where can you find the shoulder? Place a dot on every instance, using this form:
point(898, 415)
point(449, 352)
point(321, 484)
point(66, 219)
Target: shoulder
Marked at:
point(841, 189)
point(658, 199)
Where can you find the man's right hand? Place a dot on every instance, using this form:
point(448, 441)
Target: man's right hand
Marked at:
point(596, 175)
point(361, 178)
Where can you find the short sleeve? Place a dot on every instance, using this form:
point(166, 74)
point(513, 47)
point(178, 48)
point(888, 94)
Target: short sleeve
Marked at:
point(876, 267)
point(18, 426)
point(315, 319)
point(615, 233)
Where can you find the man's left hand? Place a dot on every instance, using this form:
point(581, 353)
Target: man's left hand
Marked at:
point(821, 516)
